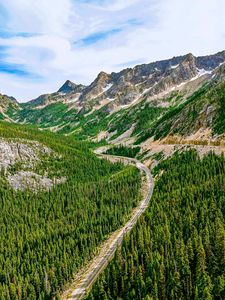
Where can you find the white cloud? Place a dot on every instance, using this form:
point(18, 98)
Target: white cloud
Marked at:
point(115, 5)
point(42, 16)
point(150, 30)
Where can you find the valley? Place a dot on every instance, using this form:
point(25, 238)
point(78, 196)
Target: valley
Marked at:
point(79, 220)
point(46, 235)
point(176, 249)
point(87, 276)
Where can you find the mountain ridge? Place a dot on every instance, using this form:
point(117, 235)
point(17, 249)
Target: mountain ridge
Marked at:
point(114, 86)
point(134, 98)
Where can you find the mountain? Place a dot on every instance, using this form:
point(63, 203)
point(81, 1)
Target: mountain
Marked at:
point(148, 80)
point(69, 92)
point(204, 109)
point(170, 116)
point(136, 83)
point(129, 102)
point(70, 87)
point(8, 106)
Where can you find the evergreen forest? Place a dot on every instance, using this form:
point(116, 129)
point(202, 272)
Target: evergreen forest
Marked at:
point(177, 249)
point(46, 236)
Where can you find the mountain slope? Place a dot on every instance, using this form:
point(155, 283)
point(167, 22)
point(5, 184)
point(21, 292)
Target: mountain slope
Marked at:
point(131, 101)
point(56, 229)
point(176, 251)
point(149, 80)
point(47, 235)
point(202, 110)
point(8, 106)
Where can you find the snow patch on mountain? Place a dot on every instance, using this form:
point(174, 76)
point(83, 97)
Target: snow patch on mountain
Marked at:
point(202, 72)
point(174, 67)
point(107, 87)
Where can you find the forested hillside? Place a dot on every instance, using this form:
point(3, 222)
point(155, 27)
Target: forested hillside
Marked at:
point(49, 231)
point(47, 236)
point(123, 151)
point(176, 251)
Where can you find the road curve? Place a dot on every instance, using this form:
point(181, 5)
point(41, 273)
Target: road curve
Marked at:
point(88, 276)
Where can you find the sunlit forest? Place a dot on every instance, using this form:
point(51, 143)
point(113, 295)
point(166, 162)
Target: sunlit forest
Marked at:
point(47, 236)
point(177, 249)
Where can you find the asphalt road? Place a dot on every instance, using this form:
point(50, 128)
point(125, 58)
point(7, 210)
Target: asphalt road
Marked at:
point(83, 284)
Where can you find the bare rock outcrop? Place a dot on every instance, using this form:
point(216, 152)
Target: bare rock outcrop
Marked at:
point(25, 155)
point(13, 151)
point(27, 179)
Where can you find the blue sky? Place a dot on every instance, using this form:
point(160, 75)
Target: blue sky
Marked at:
point(45, 42)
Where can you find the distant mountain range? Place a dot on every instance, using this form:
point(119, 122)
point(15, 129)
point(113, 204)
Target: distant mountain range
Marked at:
point(178, 95)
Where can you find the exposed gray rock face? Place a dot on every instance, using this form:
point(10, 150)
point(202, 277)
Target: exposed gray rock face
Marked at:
point(27, 154)
point(97, 87)
point(210, 62)
point(26, 179)
point(146, 81)
point(46, 99)
point(70, 87)
point(12, 152)
point(7, 99)
point(41, 100)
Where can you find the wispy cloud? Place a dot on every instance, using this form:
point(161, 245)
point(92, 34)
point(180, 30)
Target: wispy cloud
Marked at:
point(109, 5)
point(97, 37)
point(43, 43)
point(10, 34)
point(16, 69)
point(131, 63)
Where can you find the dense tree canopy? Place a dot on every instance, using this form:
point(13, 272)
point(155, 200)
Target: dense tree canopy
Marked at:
point(47, 236)
point(177, 249)
point(123, 151)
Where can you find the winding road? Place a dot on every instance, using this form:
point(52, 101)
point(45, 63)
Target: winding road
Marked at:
point(88, 275)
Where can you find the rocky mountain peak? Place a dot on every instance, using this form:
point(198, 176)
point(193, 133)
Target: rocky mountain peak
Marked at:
point(145, 81)
point(148, 80)
point(189, 56)
point(102, 77)
point(189, 60)
point(70, 87)
point(188, 68)
point(96, 88)
point(219, 74)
